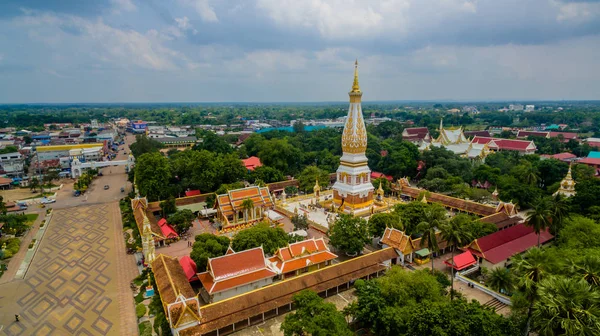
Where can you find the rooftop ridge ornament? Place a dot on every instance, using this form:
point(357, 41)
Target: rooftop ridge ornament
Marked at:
point(355, 86)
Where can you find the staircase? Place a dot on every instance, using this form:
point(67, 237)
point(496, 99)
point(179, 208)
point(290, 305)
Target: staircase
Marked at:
point(495, 304)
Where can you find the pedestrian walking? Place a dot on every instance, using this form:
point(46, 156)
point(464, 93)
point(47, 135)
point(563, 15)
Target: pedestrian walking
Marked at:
point(17, 317)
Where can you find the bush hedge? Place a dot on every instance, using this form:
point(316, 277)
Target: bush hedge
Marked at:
point(140, 310)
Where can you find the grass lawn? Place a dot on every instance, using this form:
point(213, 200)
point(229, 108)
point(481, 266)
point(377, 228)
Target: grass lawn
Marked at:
point(31, 218)
point(38, 195)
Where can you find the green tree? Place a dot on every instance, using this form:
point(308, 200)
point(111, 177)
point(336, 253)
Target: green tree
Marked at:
point(349, 234)
point(456, 234)
point(262, 234)
point(313, 316)
point(207, 246)
point(34, 184)
point(566, 306)
point(266, 174)
point(501, 279)
point(153, 174)
point(247, 206)
point(168, 206)
point(280, 154)
point(300, 222)
point(182, 220)
point(211, 141)
point(432, 221)
point(143, 145)
point(308, 177)
point(530, 268)
point(379, 221)
point(559, 212)
point(588, 269)
point(538, 217)
point(412, 213)
point(3, 209)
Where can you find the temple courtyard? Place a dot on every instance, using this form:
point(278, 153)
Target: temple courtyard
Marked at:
point(78, 281)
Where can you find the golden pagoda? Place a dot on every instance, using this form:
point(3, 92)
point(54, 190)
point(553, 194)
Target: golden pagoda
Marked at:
point(567, 186)
point(353, 191)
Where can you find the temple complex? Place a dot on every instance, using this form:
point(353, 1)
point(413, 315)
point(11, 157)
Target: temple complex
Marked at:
point(241, 208)
point(567, 186)
point(353, 191)
point(455, 140)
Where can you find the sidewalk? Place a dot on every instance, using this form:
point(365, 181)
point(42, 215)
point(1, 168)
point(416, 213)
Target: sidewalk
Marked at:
point(17, 259)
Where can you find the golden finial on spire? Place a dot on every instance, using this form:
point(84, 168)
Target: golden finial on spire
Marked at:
point(355, 86)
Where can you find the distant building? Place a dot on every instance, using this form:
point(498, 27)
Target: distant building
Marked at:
point(139, 126)
point(301, 257)
point(45, 153)
point(251, 163)
point(529, 108)
point(515, 107)
point(496, 144)
point(94, 124)
point(12, 164)
point(416, 135)
point(233, 216)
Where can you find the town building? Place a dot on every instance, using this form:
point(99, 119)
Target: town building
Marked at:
point(593, 142)
point(251, 163)
point(497, 144)
point(529, 108)
point(175, 142)
point(12, 164)
point(495, 250)
point(301, 257)
point(234, 215)
point(353, 191)
point(235, 273)
point(454, 140)
point(567, 186)
point(416, 135)
point(565, 157)
point(515, 107)
point(138, 127)
point(45, 153)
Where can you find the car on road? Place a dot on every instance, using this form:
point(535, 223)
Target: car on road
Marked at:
point(106, 187)
point(122, 189)
point(47, 200)
point(76, 193)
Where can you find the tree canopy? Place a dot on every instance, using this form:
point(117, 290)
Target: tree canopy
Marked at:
point(270, 238)
point(206, 246)
point(349, 234)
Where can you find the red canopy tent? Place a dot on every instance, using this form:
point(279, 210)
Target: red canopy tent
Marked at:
point(461, 261)
point(167, 230)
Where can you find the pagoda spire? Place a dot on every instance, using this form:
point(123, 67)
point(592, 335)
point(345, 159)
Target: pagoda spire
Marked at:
point(355, 86)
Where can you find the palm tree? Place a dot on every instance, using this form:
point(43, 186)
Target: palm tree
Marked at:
point(588, 269)
point(247, 205)
point(34, 184)
point(501, 279)
point(559, 212)
point(433, 219)
point(538, 217)
point(531, 174)
point(567, 306)
point(530, 268)
point(456, 234)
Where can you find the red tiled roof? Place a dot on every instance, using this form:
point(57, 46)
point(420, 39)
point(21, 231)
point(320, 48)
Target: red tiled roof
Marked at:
point(302, 254)
point(503, 244)
point(590, 161)
point(501, 220)
point(189, 268)
point(566, 135)
point(525, 134)
point(252, 162)
point(5, 181)
point(594, 143)
point(477, 133)
point(214, 287)
point(231, 265)
point(376, 175)
point(461, 261)
point(192, 193)
point(416, 130)
point(166, 229)
point(561, 156)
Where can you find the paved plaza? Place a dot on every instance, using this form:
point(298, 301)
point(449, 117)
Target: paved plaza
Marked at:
point(77, 283)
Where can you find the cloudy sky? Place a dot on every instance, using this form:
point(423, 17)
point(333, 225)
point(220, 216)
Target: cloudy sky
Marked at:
point(297, 50)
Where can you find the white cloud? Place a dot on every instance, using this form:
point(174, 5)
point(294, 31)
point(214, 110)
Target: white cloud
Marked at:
point(346, 19)
point(120, 6)
point(184, 24)
point(577, 11)
point(203, 8)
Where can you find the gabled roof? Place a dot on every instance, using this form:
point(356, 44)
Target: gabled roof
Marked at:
point(234, 270)
point(416, 130)
point(141, 212)
point(167, 230)
point(252, 162)
point(507, 207)
point(566, 135)
point(501, 220)
point(396, 239)
point(461, 261)
point(590, 161)
point(189, 268)
point(525, 134)
point(232, 201)
point(477, 133)
point(301, 254)
point(503, 244)
point(505, 144)
point(561, 156)
point(376, 175)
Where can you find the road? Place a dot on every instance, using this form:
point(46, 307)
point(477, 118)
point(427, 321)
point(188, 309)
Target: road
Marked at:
point(78, 281)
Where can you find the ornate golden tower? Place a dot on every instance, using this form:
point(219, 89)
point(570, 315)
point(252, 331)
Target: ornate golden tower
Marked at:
point(353, 191)
point(567, 185)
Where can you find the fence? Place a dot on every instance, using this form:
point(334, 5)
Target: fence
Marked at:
point(502, 298)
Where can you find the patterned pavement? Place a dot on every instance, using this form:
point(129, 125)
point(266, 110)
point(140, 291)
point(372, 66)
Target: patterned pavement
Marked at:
point(78, 281)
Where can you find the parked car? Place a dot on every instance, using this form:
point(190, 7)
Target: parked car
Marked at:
point(47, 200)
point(76, 193)
point(106, 187)
point(122, 189)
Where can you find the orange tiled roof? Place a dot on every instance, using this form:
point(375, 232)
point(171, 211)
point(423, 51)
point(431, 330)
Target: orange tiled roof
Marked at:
point(302, 254)
point(395, 238)
point(232, 201)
